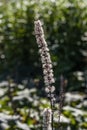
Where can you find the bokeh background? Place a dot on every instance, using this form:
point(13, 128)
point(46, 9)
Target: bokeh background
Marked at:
point(21, 79)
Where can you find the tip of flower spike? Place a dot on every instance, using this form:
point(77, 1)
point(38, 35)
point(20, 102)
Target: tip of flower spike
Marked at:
point(37, 23)
point(38, 30)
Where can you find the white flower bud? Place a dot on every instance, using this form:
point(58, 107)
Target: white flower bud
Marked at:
point(52, 81)
point(50, 89)
point(47, 66)
point(47, 89)
point(47, 72)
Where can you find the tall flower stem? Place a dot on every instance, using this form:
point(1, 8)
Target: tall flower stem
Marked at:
point(46, 64)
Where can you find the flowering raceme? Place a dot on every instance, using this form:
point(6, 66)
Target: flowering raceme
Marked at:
point(45, 57)
point(48, 116)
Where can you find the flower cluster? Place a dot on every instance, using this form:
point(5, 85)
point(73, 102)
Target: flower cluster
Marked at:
point(45, 57)
point(48, 116)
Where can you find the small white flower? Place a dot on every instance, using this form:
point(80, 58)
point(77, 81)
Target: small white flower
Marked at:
point(46, 79)
point(50, 89)
point(45, 60)
point(45, 49)
point(47, 89)
point(47, 66)
point(52, 81)
point(46, 55)
point(46, 72)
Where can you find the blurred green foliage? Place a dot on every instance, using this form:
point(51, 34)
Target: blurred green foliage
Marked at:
point(65, 25)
